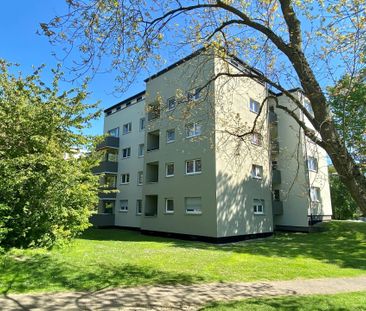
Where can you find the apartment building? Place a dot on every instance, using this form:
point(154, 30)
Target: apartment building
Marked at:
point(183, 158)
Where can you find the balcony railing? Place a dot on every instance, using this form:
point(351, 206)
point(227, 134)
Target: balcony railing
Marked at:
point(275, 147)
point(106, 167)
point(276, 177)
point(109, 142)
point(272, 117)
point(277, 207)
point(102, 220)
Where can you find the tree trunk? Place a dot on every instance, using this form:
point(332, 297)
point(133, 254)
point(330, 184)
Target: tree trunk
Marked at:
point(348, 170)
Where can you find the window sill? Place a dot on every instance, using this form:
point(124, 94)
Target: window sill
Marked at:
point(123, 211)
point(170, 141)
point(259, 214)
point(169, 176)
point(126, 183)
point(189, 137)
point(140, 156)
point(168, 213)
point(190, 174)
point(193, 213)
point(257, 178)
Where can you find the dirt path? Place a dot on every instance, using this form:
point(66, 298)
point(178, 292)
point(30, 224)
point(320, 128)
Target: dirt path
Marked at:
point(180, 297)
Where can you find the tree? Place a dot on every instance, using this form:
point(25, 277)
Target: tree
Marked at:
point(44, 198)
point(348, 104)
point(293, 42)
point(344, 207)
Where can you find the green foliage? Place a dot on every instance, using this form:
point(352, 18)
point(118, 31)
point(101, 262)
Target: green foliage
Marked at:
point(337, 302)
point(110, 258)
point(344, 207)
point(44, 198)
point(348, 104)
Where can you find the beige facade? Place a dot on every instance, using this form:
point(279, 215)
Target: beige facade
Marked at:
point(206, 171)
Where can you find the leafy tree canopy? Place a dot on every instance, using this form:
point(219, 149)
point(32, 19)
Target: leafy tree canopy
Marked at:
point(44, 198)
point(295, 43)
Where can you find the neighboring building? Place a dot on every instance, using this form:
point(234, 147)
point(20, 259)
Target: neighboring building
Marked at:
point(179, 170)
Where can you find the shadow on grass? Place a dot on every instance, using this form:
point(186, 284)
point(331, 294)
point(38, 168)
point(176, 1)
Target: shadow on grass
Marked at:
point(40, 271)
point(343, 243)
point(340, 302)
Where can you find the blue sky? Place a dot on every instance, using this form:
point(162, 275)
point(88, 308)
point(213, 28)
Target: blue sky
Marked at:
point(19, 22)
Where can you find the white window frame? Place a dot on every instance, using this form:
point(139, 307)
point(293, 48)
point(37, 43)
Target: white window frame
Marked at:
point(252, 104)
point(317, 197)
point(312, 164)
point(195, 128)
point(123, 208)
point(168, 141)
point(166, 206)
point(128, 152)
point(256, 204)
point(112, 130)
point(126, 178)
point(142, 124)
point(169, 101)
point(140, 178)
point(255, 169)
point(195, 172)
point(257, 139)
point(141, 147)
point(166, 169)
point(137, 207)
point(197, 211)
point(129, 128)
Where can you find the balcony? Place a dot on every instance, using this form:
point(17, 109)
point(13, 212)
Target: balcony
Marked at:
point(109, 142)
point(102, 220)
point(272, 117)
point(277, 207)
point(151, 205)
point(275, 147)
point(276, 177)
point(106, 167)
point(111, 194)
point(153, 140)
point(152, 172)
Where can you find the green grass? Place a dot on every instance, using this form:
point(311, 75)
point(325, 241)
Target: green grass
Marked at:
point(337, 302)
point(106, 258)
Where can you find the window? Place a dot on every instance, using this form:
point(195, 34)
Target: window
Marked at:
point(127, 128)
point(171, 103)
point(308, 107)
point(315, 194)
point(193, 129)
point(140, 178)
point(257, 139)
point(114, 132)
point(193, 167)
point(254, 106)
point(123, 206)
point(258, 207)
point(142, 124)
point(257, 171)
point(138, 207)
point(125, 178)
point(312, 164)
point(126, 153)
point(193, 205)
point(170, 136)
point(194, 94)
point(140, 152)
point(169, 206)
point(169, 169)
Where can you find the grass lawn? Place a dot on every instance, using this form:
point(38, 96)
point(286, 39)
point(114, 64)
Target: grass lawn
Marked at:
point(105, 258)
point(338, 302)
